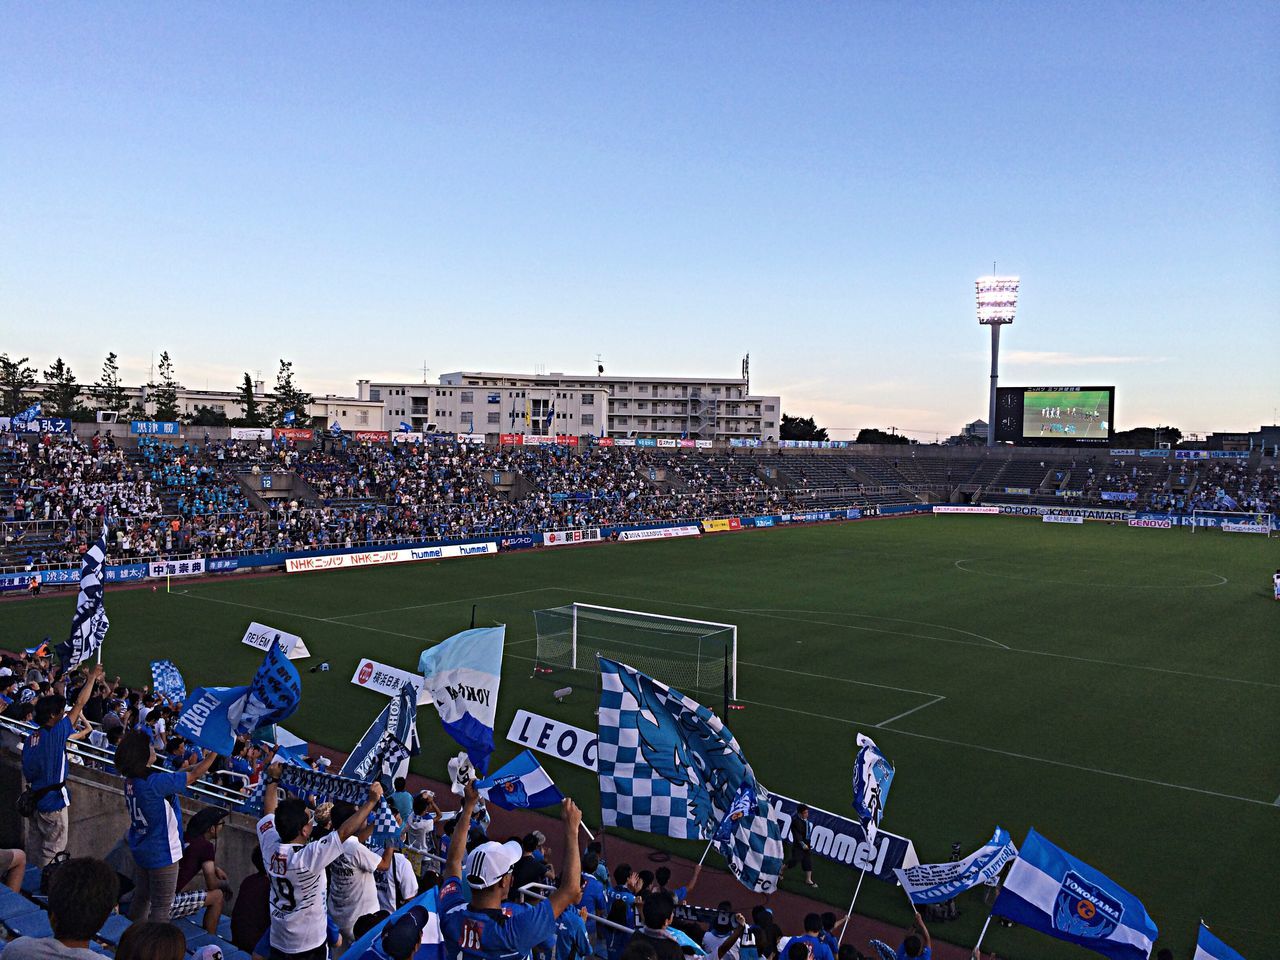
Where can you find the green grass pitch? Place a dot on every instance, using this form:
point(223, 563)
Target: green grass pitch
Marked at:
point(1116, 688)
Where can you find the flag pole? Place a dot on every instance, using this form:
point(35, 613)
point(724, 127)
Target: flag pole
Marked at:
point(590, 835)
point(862, 875)
point(978, 946)
point(710, 843)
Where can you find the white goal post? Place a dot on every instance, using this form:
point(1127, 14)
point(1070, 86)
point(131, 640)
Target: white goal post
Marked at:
point(1233, 521)
point(680, 651)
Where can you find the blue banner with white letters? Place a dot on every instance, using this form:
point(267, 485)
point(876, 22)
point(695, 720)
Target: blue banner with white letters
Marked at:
point(158, 428)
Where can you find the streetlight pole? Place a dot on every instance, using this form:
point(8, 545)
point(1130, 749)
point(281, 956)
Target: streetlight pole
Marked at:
point(997, 304)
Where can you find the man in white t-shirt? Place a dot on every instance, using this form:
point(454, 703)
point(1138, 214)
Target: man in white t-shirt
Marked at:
point(352, 890)
point(297, 869)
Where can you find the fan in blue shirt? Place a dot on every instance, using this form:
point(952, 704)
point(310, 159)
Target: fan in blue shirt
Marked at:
point(593, 895)
point(155, 822)
point(487, 927)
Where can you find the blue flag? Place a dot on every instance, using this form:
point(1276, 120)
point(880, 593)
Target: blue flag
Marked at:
point(89, 624)
point(872, 777)
point(213, 716)
point(289, 417)
point(670, 766)
point(335, 428)
point(1209, 947)
point(1051, 891)
point(389, 742)
point(32, 412)
point(406, 427)
point(167, 681)
point(431, 943)
point(520, 784)
point(462, 675)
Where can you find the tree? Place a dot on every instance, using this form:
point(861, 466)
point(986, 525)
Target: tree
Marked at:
point(208, 417)
point(16, 377)
point(1146, 438)
point(61, 397)
point(872, 435)
point(165, 393)
point(248, 401)
point(287, 397)
point(801, 428)
point(108, 393)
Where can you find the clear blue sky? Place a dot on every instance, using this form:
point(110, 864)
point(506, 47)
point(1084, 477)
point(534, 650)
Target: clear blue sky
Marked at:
point(365, 188)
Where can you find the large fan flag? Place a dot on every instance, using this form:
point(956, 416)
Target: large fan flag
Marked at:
point(1049, 890)
point(668, 765)
point(1209, 947)
point(89, 624)
point(166, 680)
point(214, 716)
point(938, 882)
point(389, 742)
point(462, 675)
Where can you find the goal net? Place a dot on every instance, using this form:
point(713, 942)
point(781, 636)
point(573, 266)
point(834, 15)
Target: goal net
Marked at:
point(1232, 521)
point(686, 654)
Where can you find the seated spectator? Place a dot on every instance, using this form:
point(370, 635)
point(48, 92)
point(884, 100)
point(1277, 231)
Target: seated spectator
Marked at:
point(251, 916)
point(13, 864)
point(82, 895)
point(152, 941)
point(656, 913)
point(198, 858)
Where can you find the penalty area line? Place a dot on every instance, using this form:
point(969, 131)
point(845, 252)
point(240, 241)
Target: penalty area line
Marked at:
point(906, 713)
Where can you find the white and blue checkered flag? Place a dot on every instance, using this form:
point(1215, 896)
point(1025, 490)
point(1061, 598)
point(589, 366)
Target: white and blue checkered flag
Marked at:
point(167, 681)
point(89, 624)
point(669, 766)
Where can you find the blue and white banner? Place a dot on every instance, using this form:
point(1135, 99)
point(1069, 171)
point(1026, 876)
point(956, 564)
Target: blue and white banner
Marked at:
point(462, 675)
point(32, 412)
point(520, 784)
point(1049, 890)
point(289, 418)
point(743, 804)
point(669, 766)
point(89, 624)
point(1119, 495)
point(35, 425)
point(167, 681)
point(939, 882)
point(383, 752)
point(213, 716)
point(1209, 947)
point(872, 777)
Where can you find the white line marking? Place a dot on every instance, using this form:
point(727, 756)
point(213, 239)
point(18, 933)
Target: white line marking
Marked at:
point(1018, 756)
point(440, 603)
point(767, 611)
point(863, 683)
point(1080, 583)
point(906, 713)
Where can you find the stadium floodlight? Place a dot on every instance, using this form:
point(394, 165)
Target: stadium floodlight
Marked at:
point(997, 304)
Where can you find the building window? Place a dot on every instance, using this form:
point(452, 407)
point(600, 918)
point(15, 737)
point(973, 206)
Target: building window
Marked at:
point(588, 399)
point(362, 418)
point(768, 424)
point(494, 416)
point(375, 393)
point(467, 418)
point(588, 419)
point(768, 408)
point(643, 388)
point(466, 396)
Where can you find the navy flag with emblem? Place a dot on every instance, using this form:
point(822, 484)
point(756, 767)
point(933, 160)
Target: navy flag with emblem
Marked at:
point(89, 624)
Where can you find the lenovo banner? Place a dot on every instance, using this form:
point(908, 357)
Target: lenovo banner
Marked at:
point(1155, 524)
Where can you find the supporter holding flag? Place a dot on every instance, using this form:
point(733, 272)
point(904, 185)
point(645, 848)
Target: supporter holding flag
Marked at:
point(167, 681)
point(520, 784)
point(44, 767)
point(383, 752)
point(89, 623)
point(1049, 890)
point(155, 823)
point(462, 675)
point(33, 412)
point(1209, 947)
point(939, 882)
point(486, 926)
point(299, 886)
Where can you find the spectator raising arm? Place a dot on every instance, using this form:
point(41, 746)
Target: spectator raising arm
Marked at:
point(461, 826)
point(570, 890)
point(77, 708)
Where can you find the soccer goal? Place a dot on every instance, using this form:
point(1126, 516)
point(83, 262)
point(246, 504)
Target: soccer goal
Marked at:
point(687, 654)
point(1233, 521)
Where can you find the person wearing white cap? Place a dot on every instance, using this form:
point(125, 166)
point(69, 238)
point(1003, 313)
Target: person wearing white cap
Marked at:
point(488, 928)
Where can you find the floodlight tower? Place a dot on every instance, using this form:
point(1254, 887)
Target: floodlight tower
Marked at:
point(997, 303)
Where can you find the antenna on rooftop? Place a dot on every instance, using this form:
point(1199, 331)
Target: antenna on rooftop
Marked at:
point(425, 368)
point(599, 366)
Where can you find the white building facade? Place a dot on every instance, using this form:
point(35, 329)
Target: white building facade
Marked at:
point(579, 405)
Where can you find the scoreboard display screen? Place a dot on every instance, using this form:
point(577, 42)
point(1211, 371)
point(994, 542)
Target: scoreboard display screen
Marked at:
point(1055, 416)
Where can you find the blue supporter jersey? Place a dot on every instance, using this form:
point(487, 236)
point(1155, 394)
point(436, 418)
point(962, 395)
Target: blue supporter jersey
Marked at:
point(572, 942)
point(594, 899)
point(925, 954)
point(511, 933)
point(44, 763)
point(155, 819)
point(817, 949)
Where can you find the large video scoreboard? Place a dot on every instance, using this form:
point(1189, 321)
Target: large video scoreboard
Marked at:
point(1055, 416)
